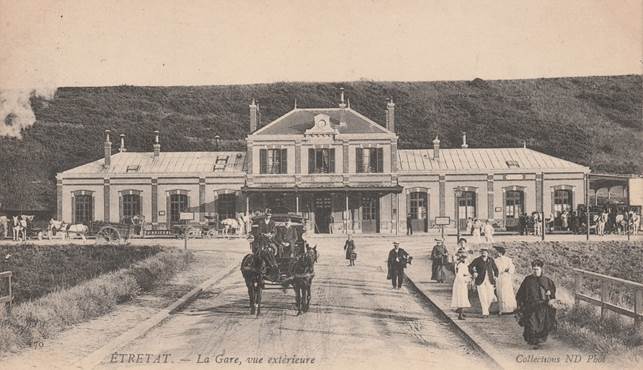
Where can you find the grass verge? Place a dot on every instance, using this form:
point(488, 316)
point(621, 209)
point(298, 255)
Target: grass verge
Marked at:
point(33, 321)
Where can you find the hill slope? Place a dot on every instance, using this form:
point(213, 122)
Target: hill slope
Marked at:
point(593, 121)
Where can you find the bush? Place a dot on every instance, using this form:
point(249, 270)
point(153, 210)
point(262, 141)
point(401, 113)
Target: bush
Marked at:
point(40, 319)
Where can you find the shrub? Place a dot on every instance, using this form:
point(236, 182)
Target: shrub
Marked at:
point(40, 319)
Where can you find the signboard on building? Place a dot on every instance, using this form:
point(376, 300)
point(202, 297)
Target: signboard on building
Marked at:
point(186, 216)
point(441, 221)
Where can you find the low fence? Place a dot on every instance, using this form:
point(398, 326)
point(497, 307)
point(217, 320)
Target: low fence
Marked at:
point(637, 288)
point(8, 298)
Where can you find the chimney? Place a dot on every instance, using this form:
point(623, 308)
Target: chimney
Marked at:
point(464, 140)
point(342, 112)
point(157, 145)
point(436, 148)
point(108, 150)
point(390, 116)
point(122, 148)
point(253, 116)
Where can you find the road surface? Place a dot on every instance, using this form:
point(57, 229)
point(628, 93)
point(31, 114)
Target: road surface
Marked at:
point(356, 320)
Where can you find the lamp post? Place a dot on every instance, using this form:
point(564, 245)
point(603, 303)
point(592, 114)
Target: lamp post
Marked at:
point(216, 142)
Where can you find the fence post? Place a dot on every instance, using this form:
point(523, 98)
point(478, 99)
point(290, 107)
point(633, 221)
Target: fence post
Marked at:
point(604, 295)
point(578, 282)
point(10, 298)
point(638, 307)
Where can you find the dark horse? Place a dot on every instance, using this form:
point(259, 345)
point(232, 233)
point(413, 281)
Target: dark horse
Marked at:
point(302, 272)
point(255, 267)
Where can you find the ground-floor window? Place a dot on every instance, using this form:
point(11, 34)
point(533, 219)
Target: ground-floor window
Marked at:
point(562, 201)
point(418, 211)
point(466, 203)
point(178, 204)
point(226, 206)
point(514, 207)
point(83, 209)
point(131, 206)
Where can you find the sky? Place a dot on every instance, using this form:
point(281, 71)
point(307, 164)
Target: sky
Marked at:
point(50, 43)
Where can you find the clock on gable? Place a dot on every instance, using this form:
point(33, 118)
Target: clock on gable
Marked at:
point(322, 126)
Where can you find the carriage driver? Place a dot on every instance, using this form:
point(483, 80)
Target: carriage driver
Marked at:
point(288, 239)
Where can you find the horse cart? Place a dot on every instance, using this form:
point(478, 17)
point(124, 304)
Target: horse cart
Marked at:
point(109, 232)
point(280, 258)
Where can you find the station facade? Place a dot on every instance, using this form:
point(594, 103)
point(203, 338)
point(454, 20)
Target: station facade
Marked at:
point(338, 168)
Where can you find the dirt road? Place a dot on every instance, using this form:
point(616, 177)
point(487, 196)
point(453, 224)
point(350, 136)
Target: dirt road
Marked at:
point(356, 319)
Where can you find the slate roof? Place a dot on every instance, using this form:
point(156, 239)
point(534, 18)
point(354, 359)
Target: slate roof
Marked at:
point(482, 159)
point(298, 120)
point(168, 162)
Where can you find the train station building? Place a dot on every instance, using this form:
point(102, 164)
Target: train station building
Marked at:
point(340, 169)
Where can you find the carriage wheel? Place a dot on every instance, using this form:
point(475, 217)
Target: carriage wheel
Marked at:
point(109, 234)
point(193, 233)
point(211, 234)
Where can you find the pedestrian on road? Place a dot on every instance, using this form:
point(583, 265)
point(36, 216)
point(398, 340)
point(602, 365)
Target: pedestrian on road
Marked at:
point(439, 259)
point(484, 271)
point(397, 260)
point(535, 298)
point(488, 232)
point(504, 285)
point(349, 247)
point(409, 225)
point(460, 290)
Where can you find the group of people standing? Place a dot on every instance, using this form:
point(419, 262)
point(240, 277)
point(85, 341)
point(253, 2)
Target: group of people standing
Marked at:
point(492, 280)
point(478, 228)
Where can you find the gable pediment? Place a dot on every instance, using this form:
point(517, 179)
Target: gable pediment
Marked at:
point(322, 127)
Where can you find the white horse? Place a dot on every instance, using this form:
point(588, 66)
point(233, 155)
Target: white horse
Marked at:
point(19, 227)
point(229, 224)
point(66, 230)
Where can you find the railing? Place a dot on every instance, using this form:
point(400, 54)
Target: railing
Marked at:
point(8, 298)
point(636, 314)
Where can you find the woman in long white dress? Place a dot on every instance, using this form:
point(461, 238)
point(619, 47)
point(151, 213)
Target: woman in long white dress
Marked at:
point(477, 226)
point(504, 283)
point(460, 290)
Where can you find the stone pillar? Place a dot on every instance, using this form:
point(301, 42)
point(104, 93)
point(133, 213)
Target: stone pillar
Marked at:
point(490, 206)
point(298, 156)
point(155, 202)
point(442, 195)
point(201, 199)
point(106, 200)
point(345, 156)
point(59, 199)
point(394, 155)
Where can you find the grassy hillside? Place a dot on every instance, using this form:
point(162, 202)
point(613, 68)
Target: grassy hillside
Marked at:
point(594, 121)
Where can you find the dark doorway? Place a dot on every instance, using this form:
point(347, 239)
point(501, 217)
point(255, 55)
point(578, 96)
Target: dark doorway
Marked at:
point(370, 213)
point(466, 204)
point(514, 207)
point(323, 210)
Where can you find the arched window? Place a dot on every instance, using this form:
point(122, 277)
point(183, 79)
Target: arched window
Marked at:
point(418, 210)
point(131, 204)
point(83, 207)
point(562, 201)
point(514, 207)
point(178, 204)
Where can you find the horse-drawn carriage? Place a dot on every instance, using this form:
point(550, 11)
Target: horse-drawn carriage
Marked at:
point(280, 258)
point(104, 232)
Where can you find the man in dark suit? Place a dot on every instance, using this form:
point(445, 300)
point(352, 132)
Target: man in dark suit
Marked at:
point(484, 271)
point(267, 226)
point(397, 260)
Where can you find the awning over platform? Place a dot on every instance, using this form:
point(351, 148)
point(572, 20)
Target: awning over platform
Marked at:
point(295, 189)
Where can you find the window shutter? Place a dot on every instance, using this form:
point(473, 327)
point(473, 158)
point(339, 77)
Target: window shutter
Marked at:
point(168, 208)
point(332, 160)
point(73, 209)
point(120, 208)
point(380, 160)
point(92, 217)
point(263, 161)
point(284, 161)
point(140, 205)
point(311, 160)
point(359, 160)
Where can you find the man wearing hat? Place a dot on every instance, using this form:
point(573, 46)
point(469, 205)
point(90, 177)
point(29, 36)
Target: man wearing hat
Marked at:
point(397, 260)
point(484, 271)
point(267, 226)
